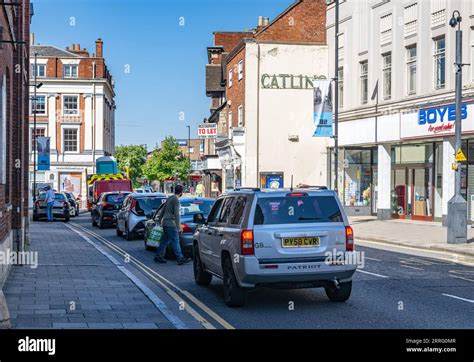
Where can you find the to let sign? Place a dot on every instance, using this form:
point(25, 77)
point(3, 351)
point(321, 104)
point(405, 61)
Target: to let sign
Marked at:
point(207, 130)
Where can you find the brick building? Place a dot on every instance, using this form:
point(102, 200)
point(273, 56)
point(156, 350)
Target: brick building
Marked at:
point(75, 107)
point(269, 101)
point(15, 23)
point(216, 78)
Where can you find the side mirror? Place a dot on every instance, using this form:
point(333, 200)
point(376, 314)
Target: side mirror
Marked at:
point(199, 219)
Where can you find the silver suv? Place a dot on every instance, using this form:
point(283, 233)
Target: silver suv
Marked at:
point(282, 238)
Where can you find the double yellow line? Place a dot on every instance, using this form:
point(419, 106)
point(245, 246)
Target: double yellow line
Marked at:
point(182, 297)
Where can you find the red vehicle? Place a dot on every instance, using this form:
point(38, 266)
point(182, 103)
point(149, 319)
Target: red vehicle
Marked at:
point(101, 186)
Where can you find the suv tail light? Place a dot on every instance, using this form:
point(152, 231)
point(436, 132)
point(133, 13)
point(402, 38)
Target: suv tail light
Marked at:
point(246, 243)
point(105, 204)
point(349, 239)
point(186, 228)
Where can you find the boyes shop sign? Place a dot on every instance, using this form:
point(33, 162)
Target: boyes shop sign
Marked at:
point(436, 121)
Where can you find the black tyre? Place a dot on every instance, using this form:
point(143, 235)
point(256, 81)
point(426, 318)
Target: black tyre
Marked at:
point(129, 235)
point(35, 218)
point(67, 218)
point(94, 223)
point(201, 277)
point(234, 295)
point(117, 231)
point(100, 223)
point(340, 294)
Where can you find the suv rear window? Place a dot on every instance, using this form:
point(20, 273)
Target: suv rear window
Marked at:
point(297, 210)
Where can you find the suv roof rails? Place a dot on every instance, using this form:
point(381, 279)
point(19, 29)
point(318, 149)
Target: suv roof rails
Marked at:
point(247, 189)
point(313, 187)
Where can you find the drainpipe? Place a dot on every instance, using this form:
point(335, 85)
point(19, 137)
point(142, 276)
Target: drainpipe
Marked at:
point(258, 117)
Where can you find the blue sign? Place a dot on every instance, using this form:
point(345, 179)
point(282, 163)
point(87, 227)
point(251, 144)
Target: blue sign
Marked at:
point(274, 182)
point(43, 149)
point(440, 114)
point(322, 109)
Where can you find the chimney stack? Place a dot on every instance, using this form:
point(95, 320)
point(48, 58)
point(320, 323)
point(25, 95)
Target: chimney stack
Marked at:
point(73, 46)
point(32, 38)
point(260, 21)
point(99, 45)
point(266, 21)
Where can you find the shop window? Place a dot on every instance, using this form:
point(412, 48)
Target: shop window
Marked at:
point(412, 154)
point(357, 178)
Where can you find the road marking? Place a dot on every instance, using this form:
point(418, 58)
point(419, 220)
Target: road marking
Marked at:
point(456, 297)
point(209, 311)
point(159, 304)
point(411, 267)
point(448, 257)
point(156, 276)
point(456, 276)
point(374, 274)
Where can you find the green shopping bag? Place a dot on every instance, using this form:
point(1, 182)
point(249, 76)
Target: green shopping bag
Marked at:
point(154, 237)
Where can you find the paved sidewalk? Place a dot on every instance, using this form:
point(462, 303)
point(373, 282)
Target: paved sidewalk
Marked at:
point(75, 286)
point(419, 234)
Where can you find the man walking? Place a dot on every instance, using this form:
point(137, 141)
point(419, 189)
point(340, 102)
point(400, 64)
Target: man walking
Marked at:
point(171, 222)
point(50, 196)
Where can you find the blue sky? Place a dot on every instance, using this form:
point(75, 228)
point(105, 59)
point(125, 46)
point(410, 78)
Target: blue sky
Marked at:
point(166, 60)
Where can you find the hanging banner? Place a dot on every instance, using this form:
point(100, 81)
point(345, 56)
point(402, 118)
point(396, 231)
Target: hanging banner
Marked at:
point(43, 149)
point(322, 109)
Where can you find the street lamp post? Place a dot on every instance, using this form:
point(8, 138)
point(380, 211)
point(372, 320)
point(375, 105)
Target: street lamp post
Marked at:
point(336, 96)
point(189, 155)
point(457, 206)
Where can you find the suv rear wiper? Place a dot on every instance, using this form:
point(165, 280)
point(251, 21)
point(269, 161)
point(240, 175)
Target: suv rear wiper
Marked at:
point(309, 218)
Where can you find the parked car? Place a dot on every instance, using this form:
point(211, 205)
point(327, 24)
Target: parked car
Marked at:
point(73, 204)
point(101, 186)
point(60, 207)
point(192, 213)
point(276, 238)
point(104, 211)
point(133, 214)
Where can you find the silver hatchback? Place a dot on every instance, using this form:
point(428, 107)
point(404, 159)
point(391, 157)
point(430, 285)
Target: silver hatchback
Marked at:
point(297, 238)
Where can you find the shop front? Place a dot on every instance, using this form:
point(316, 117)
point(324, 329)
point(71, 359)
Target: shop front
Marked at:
point(357, 180)
point(400, 165)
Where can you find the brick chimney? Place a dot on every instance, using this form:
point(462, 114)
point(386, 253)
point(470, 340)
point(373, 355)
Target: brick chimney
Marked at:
point(99, 45)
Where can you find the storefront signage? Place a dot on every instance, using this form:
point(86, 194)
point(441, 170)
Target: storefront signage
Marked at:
point(440, 114)
point(207, 130)
point(289, 81)
point(435, 121)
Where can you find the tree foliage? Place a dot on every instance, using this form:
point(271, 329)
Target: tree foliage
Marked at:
point(134, 157)
point(166, 162)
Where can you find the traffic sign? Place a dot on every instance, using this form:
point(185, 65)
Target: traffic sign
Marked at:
point(460, 156)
